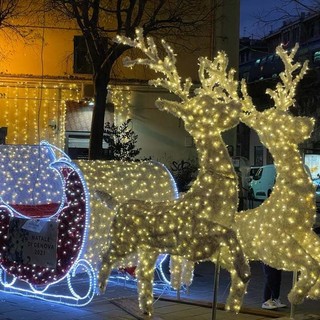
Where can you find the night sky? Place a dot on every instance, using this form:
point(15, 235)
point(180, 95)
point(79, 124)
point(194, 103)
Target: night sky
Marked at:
point(251, 9)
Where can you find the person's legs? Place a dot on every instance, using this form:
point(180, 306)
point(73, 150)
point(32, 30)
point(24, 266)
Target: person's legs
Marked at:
point(272, 282)
point(272, 285)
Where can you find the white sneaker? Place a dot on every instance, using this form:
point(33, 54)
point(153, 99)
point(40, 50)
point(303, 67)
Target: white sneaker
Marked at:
point(278, 303)
point(269, 304)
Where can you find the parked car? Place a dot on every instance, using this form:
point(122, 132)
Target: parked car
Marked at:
point(263, 182)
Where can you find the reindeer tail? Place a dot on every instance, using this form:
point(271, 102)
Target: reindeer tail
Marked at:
point(106, 198)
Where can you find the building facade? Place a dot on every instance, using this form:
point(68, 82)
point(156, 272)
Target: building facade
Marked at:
point(46, 90)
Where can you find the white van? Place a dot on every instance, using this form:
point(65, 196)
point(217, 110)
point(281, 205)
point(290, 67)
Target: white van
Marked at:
point(263, 182)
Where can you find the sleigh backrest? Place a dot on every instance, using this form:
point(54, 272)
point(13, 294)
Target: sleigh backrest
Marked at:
point(26, 177)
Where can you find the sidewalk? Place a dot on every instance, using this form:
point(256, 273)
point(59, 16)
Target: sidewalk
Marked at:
point(15, 307)
point(120, 302)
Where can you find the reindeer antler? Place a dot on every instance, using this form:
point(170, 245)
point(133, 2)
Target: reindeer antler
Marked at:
point(247, 104)
point(283, 95)
point(217, 82)
point(166, 66)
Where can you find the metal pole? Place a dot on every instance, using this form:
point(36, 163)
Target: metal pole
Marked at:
point(215, 288)
point(292, 306)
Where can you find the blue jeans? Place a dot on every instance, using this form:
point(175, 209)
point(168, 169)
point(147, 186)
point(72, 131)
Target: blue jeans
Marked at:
point(272, 283)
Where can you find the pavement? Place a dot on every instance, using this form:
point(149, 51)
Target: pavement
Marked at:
point(120, 301)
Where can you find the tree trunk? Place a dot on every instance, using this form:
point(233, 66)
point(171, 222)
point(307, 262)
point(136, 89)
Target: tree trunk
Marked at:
point(101, 80)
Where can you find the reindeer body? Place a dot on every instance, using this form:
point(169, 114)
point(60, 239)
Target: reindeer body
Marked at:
point(216, 179)
point(195, 227)
point(198, 225)
point(270, 232)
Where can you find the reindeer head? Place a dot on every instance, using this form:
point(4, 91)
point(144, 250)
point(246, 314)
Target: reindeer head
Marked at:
point(276, 126)
point(203, 115)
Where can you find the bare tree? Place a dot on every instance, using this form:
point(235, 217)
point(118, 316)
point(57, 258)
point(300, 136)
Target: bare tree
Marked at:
point(101, 20)
point(285, 10)
point(11, 11)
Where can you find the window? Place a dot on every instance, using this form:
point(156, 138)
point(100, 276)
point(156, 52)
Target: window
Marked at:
point(269, 157)
point(295, 35)
point(286, 37)
point(311, 30)
point(258, 156)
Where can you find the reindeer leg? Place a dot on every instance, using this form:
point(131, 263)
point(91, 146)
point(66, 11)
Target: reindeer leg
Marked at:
point(187, 273)
point(238, 286)
point(117, 249)
point(314, 293)
point(105, 270)
point(145, 274)
point(236, 263)
point(309, 272)
point(314, 251)
point(176, 271)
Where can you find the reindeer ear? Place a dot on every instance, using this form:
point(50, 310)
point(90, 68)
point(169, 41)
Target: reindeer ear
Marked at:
point(171, 106)
point(307, 126)
point(160, 104)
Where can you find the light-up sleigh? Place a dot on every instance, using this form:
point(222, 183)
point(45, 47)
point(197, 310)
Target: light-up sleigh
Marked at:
point(44, 217)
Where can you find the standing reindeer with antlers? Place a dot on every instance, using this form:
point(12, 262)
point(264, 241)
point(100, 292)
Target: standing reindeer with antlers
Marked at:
point(279, 232)
point(197, 226)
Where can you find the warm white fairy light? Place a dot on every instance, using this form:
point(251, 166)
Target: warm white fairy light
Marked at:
point(27, 118)
point(197, 226)
point(16, 117)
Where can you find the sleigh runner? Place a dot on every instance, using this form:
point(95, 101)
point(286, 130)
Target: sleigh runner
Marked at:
point(44, 217)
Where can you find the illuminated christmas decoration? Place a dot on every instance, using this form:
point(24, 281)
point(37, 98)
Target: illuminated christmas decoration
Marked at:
point(279, 232)
point(197, 226)
point(41, 190)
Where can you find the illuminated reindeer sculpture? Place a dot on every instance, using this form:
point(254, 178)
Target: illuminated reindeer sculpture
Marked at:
point(197, 226)
point(279, 232)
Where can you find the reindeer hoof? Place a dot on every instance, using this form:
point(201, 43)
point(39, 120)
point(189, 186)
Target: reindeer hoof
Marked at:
point(101, 289)
point(295, 298)
point(147, 314)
